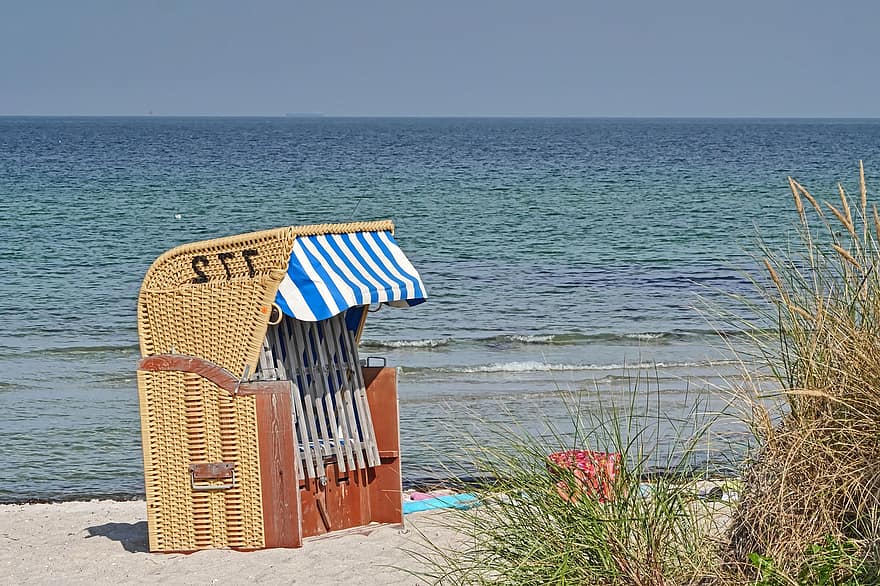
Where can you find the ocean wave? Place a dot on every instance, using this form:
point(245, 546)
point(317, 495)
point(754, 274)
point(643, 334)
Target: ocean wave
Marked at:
point(427, 343)
point(646, 336)
point(532, 339)
point(560, 339)
point(556, 339)
point(535, 366)
point(117, 379)
point(62, 351)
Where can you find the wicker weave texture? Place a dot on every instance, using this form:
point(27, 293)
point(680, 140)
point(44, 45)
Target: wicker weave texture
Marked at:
point(211, 300)
point(187, 419)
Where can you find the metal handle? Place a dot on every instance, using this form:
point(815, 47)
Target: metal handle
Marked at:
point(212, 471)
point(192, 478)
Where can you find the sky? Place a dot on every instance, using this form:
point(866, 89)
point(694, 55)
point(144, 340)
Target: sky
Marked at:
point(700, 58)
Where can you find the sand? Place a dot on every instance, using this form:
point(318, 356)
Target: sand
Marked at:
point(105, 542)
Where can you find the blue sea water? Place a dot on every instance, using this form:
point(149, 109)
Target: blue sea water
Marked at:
point(559, 254)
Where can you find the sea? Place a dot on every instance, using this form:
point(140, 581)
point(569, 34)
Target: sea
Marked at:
point(565, 259)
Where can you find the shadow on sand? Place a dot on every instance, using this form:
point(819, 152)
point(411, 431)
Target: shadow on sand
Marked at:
point(132, 536)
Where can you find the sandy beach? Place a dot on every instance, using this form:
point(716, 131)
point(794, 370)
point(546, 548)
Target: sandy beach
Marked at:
point(105, 542)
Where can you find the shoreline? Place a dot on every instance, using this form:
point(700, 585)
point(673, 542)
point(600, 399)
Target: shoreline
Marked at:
point(463, 484)
point(422, 484)
point(105, 541)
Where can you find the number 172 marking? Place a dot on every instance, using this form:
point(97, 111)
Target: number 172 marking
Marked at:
point(201, 262)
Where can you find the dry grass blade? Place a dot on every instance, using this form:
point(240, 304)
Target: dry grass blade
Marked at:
point(809, 197)
point(801, 312)
point(761, 421)
point(876, 222)
point(843, 220)
point(846, 256)
point(797, 199)
point(845, 204)
point(776, 280)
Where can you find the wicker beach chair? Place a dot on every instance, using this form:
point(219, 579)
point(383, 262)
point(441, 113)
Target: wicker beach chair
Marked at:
point(260, 424)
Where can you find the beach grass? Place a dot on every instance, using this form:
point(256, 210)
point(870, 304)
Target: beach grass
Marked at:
point(808, 496)
point(810, 509)
point(540, 524)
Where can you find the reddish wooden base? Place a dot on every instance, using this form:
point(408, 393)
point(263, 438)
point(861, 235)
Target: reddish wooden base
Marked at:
point(354, 498)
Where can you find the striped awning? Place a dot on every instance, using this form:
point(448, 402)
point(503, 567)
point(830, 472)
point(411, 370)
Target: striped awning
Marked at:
point(330, 273)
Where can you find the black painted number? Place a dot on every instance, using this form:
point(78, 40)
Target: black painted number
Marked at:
point(248, 254)
point(200, 263)
point(223, 257)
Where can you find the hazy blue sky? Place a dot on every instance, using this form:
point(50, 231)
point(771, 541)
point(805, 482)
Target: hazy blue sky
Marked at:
point(447, 57)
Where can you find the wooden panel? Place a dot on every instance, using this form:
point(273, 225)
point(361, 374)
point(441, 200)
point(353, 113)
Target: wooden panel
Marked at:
point(344, 502)
point(386, 493)
point(280, 488)
point(381, 384)
point(310, 519)
point(347, 498)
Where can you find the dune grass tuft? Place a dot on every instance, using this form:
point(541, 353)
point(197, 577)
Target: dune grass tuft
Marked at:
point(648, 532)
point(814, 486)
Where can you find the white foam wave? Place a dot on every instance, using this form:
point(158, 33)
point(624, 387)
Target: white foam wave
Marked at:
point(534, 366)
point(645, 336)
point(534, 339)
point(428, 343)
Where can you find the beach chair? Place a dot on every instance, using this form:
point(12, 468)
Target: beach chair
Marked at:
point(260, 424)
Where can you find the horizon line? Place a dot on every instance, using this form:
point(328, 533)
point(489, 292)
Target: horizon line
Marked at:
point(318, 116)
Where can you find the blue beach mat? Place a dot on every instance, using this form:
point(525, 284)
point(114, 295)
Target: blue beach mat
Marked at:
point(452, 501)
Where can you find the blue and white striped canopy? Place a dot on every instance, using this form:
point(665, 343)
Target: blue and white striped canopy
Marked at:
point(330, 273)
